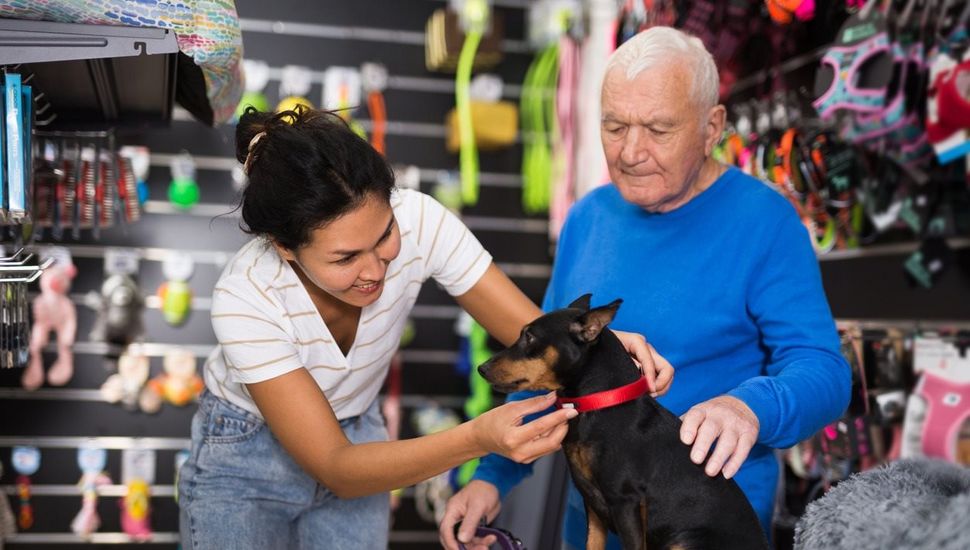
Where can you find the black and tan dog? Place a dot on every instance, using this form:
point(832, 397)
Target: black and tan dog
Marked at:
point(626, 457)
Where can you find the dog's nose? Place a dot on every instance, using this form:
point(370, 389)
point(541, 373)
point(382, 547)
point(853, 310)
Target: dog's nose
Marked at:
point(483, 369)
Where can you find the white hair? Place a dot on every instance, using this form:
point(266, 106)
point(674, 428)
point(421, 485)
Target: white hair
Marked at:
point(658, 46)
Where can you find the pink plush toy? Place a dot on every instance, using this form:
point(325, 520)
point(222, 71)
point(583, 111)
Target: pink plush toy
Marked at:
point(53, 311)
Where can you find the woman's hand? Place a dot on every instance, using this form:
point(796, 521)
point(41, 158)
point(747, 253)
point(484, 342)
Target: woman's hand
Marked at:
point(658, 371)
point(501, 430)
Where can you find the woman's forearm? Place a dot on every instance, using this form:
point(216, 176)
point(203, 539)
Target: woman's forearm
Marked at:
point(352, 471)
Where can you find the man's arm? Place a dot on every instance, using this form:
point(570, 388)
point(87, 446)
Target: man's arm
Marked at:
point(806, 382)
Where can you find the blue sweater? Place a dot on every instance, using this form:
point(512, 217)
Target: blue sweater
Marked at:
point(726, 288)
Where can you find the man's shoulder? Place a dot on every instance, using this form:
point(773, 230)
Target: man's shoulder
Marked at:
point(602, 197)
point(757, 198)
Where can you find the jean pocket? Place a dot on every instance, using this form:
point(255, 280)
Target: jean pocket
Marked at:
point(228, 425)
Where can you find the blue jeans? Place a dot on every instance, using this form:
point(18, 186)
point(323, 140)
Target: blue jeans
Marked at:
point(240, 489)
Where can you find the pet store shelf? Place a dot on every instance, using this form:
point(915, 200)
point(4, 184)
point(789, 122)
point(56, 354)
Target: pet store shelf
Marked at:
point(219, 258)
point(93, 538)
point(103, 490)
point(481, 223)
point(370, 34)
point(171, 538)
point(118, 443)
point(919, 325)
point(428, 175)
point(94, 75)
point(886, 250)
point(72, 394)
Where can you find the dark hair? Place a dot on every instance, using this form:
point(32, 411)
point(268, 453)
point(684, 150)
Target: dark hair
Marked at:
point(305, 170)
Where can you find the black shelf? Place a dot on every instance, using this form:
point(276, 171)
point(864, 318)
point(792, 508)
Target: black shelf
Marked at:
point(95, 76)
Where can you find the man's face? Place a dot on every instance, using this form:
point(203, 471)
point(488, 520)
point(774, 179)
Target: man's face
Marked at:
point(655, 137)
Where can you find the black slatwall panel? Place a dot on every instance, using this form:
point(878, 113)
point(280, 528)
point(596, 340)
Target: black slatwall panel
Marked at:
point(25, 416)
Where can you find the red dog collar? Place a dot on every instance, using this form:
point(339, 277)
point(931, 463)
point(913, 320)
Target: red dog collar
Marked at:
point(605, 399)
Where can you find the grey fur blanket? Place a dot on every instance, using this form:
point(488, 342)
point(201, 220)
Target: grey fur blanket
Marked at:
point(922, 504)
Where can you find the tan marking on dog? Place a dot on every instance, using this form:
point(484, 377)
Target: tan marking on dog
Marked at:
point(581, 459)
point(537, 372)
point(595, 531)
point(643, 524)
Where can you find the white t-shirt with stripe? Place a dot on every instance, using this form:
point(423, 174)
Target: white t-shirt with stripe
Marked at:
point(267, 325)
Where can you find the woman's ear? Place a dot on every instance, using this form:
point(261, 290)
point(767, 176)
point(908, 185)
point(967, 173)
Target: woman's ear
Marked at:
point(284, 252)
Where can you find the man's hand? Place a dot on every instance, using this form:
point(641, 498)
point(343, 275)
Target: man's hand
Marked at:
point(725, 419)
point(477, 500)
point(656, 369)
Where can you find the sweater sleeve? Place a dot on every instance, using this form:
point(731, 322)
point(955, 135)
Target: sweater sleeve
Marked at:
point(806, 382)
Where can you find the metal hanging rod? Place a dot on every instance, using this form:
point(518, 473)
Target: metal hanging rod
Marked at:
point(907, 324)
point(219, 258)
point(94, 538)
point(119, 443)
point(94, 396)
point(103, 490)
point(428, 175)
point(371, 34)
point(484, 223)
point(886, 250)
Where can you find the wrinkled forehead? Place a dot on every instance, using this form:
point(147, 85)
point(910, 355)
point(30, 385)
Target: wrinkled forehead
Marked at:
point(661, 90)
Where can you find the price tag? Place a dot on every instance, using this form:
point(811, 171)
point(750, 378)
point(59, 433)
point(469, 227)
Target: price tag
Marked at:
point(120, 261)
point(138, 464)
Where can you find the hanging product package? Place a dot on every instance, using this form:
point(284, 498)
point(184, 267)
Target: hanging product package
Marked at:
point(495, 123)
point(444, 38)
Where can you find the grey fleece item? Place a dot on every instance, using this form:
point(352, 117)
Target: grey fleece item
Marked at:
point(909, 504)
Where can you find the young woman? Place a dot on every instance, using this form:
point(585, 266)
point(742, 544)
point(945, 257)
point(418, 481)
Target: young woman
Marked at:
point(288, 446)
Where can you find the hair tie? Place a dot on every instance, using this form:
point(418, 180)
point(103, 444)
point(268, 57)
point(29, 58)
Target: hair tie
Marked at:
point(249, 153)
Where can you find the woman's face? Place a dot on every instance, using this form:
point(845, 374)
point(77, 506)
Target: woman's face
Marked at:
point(348, 257)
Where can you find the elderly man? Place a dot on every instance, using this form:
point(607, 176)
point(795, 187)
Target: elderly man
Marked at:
point(713, 266)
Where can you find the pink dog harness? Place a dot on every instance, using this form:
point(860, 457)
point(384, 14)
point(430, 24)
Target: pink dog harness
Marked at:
point(947, 408)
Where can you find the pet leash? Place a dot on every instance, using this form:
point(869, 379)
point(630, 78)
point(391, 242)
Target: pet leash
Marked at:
point(504, 539)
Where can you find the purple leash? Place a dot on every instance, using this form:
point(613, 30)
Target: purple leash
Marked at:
point(504, 539)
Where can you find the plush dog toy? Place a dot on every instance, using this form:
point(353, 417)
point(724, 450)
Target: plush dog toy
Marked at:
point(179, 384)
point(127, 385)
point(53, 311)
point(119, 307)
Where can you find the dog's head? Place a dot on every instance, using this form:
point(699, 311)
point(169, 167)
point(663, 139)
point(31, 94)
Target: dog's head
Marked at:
point(551, 350)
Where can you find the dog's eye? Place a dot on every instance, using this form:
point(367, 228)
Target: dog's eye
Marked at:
point(528, 338)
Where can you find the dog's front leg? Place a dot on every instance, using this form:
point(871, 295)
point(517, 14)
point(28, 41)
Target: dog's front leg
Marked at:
point(595, 531)
point(630, 519)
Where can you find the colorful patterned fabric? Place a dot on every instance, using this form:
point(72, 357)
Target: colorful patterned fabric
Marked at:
point(207, 31)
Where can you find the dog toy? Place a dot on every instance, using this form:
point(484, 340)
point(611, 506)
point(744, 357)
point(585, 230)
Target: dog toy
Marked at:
point(179, 384)
point(26, 461)
point(374, 80)
point(183, 192)
point(8, 523)
point(135, 511)
point(138, 158)
point(257, 75)
point(91, 460)
point(137, 473)
point(175, 293)
point(126, 386)
point(295, 84)
point(119, 307)
point(53, 312)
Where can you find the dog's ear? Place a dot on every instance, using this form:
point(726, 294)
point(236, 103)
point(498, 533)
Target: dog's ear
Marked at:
point(582, 302)
point(590, 324)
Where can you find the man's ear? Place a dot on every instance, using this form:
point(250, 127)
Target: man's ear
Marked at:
point(582, 302)
point(714, 128)
point(589, 326)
